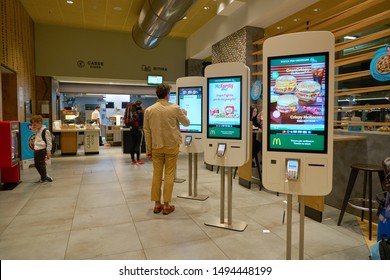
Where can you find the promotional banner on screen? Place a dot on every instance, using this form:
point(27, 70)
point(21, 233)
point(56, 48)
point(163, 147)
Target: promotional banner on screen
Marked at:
point(224, 107)
point(298, 103)
point(190, 99)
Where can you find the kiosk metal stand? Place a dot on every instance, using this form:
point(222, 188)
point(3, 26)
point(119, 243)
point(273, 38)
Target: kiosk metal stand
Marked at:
point(222, 222)
point(177, 180)
point(193, 195)
point(301, 226)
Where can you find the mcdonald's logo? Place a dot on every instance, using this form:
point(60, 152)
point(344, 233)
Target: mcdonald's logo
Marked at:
point(212, 132)
point(276, 141)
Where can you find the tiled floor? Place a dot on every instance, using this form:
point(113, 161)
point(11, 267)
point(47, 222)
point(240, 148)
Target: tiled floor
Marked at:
point(98, 207)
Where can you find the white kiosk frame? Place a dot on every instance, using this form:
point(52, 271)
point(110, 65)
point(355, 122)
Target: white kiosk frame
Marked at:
point(220, 148)
point(296, 170)
point(192, 141)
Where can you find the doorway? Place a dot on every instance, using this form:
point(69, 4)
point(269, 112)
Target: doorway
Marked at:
point(9, 95)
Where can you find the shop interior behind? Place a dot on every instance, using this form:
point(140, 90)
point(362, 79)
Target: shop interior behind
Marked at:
point(77, 109)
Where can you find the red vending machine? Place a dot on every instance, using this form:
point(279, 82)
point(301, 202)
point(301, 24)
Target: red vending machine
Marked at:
point(10, 153)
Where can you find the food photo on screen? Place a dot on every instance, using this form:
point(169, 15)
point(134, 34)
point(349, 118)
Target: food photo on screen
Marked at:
point(224, 107)
point(297, 91)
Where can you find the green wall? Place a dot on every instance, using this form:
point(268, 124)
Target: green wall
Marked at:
point(60, 51)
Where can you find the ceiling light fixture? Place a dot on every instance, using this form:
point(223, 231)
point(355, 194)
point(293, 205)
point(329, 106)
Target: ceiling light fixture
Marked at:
point(296, 19)
point(118, 9)
point(316, 9)
point(350, 37)
point(279, 27)
point(206, 8)
point(70, 2)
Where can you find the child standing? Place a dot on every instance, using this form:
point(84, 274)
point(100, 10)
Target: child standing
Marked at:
point(42, 149)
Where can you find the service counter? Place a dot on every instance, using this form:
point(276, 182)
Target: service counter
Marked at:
point(69, 140)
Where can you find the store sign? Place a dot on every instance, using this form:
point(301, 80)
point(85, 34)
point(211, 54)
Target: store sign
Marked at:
point(380, 64)
point(149, 68)
point(256, 90)
point(91, 64)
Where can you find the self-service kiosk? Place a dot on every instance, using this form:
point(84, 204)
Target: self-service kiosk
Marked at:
point(298, 118)
point(190, 92)
point(226, 127)
point(10, 155)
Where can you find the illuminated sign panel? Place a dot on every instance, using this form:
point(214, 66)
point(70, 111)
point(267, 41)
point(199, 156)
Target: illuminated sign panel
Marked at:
point(190, 99)
point(224, 107)
point(298, 103)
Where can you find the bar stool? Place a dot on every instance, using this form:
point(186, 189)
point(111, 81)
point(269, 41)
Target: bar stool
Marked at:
point(368, 169)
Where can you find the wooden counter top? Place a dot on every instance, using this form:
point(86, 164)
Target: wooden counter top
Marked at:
point(339, 137)
point(75, 129)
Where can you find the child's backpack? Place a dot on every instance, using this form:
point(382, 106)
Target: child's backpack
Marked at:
point(381, 249)
point(53, 140)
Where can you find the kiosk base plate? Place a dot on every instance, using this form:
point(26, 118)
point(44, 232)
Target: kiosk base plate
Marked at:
point(198, 197)
point(237, 226)
point(178, 180)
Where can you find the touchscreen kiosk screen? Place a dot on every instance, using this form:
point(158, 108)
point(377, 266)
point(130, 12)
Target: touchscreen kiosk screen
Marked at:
point(172, 98)
point(224, 107)
point(190, 99)
point(298, 103)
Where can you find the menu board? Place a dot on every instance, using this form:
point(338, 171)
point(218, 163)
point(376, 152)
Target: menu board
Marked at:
point(190, 99)
point(298, 103)
point(224, 107)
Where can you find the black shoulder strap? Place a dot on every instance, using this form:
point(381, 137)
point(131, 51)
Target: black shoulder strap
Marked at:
point(44, 135)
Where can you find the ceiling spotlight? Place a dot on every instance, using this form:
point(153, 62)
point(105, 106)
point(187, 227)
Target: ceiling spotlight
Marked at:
point(316, 9)
point(206, 8)
point(279, 27)
point(117, 8)
point(69, 2)
point(185, 17)
point(296, 19)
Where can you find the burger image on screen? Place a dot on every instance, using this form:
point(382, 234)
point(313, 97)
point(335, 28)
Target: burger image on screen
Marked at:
point(285, 84)
point(287, 104)
point(308, 90)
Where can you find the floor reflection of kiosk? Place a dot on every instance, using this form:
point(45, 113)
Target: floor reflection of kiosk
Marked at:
point(226, 128)
point(190, 91)
point(298, 123)
point(10, 153)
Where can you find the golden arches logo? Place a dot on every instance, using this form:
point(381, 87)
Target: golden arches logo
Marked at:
point(212, 132)
point(277, 141)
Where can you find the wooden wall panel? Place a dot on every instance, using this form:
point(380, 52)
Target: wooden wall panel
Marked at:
point(17, 53)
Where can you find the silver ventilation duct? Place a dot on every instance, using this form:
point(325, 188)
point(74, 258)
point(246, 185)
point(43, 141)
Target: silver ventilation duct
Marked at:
point(157, 19)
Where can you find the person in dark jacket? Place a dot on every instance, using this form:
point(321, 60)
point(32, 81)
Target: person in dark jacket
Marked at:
point(136, 133)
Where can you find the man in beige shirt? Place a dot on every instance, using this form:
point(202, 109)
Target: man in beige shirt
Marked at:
point(162, 137)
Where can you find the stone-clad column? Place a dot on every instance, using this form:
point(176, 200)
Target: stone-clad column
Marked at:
point(194, 67)
point(238, 47)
